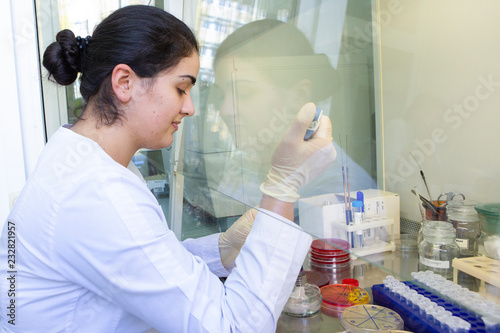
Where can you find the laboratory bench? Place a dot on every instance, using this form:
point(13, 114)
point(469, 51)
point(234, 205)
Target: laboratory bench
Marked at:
point(370, 271)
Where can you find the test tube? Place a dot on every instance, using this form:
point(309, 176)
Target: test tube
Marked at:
point(357, 209)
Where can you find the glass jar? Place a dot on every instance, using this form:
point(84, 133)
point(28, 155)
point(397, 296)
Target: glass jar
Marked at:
point(489, 220)
point(465, 220)
point(438, 248)
point(305, 299)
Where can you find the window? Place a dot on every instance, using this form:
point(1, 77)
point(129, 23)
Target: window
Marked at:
point(260, 62)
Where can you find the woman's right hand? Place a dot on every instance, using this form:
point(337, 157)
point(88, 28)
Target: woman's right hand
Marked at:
point(297, 162)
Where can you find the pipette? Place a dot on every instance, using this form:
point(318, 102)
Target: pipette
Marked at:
point(347, 195)
point(348, 185)
point(345, 184)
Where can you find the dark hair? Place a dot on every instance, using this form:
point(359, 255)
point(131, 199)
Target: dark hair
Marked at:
point(265, 38)
point(273, 38)
point(146, 38)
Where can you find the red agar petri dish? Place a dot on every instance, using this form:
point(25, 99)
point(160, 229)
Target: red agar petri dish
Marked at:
point(328, 256)
point(317, 278)
point(329, 246)
point(338, 297)
point(325, 262)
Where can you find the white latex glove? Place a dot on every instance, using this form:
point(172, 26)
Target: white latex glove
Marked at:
point(231, 241)
point(297, 162)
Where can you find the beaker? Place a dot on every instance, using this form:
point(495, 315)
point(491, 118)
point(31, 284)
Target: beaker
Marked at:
point(489, 220)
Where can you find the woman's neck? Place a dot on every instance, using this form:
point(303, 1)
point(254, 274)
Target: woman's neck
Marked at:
point(113, 139)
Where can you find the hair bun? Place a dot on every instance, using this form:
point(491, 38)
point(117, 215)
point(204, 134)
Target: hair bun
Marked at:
point(63, 58)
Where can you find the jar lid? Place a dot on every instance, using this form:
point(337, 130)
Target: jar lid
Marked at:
point(490, 209)
point(439, 229)
point(439, 225)
point(352, 282)
point(460, 210)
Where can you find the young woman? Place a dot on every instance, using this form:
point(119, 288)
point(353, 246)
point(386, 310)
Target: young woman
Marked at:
point(92, 249)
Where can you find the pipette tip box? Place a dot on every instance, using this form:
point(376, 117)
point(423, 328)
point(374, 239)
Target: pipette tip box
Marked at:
point(421, 323)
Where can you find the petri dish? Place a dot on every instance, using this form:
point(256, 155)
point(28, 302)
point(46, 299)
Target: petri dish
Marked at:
point(338, 260)
point(317, 278)
point(321, 256)
point(371, 318)
point(329, 246)
point(338, 297)
point(407, 242)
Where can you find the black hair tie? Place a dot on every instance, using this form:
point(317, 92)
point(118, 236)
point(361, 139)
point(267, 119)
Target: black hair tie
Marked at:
point(82, 43)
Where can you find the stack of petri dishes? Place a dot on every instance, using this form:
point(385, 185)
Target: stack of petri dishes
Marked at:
point(329, 256)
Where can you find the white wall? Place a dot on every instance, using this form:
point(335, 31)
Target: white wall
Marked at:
point(441, 98)
point(22, 133)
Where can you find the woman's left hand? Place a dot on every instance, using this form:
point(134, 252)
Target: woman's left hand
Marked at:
point(231, 241)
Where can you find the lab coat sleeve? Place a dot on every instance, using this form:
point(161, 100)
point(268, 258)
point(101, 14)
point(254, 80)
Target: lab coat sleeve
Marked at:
point(267, 266)
point(207, 248)
point(117, 246)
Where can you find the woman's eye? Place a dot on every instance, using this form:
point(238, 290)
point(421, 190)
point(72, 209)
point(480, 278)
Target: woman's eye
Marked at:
point(245, 91)
point(182, 92)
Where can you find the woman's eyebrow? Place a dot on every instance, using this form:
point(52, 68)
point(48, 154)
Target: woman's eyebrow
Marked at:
point(193, 79)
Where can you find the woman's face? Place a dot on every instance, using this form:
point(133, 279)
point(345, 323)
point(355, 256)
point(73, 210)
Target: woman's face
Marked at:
point(159, 108)
point(255, 110)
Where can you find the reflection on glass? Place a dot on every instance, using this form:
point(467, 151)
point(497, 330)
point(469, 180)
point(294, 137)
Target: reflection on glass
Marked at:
point(261, 75)
point(264, 72)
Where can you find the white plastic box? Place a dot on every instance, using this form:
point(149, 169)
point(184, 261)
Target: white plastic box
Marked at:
point(324, 216)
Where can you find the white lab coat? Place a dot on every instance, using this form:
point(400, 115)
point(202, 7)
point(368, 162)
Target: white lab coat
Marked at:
point(93, 254)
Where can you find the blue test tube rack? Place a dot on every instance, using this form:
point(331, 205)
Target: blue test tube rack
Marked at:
point(417, 321)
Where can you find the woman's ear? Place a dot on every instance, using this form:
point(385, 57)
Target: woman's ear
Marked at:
point(122, 81)
point(300, 93)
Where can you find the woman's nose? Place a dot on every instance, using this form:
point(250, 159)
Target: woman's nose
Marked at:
point(188, 107)
point(227, 107)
